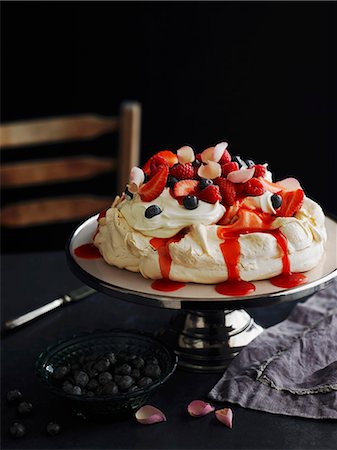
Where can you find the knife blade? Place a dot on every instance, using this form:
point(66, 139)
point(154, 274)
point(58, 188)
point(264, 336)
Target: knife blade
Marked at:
point(72, 296)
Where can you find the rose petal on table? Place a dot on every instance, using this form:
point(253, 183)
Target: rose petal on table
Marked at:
point(213, 153)
point(210, 170)
point(241, 176)
point(225, 416)
point(148, 415)
point(198, 408)
point(289, 183)
point(137, 176)
point(185, 154)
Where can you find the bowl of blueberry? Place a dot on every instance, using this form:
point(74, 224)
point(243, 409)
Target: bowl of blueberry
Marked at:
point(106, 373)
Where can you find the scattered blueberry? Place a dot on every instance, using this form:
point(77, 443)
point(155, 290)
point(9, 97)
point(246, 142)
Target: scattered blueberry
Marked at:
point(124, 369)
point(204, 182)
point(191, 202)
point(276, 201)
point(60, 372)
point(238, 160)
point(124, 382)
point(110, 389)
point(143, 382)
point(17, 430)
point(171, 181)
point(104, 378)
point(138, 362)
point(152, 370)
point(14, 395)
point(152, 211)
point(102, 365)
point(53, 428)
point(24, 408)
point(81, 378)
point(250, 163)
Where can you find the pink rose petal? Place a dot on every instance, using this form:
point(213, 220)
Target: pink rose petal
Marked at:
point(185, 154)
point(148, 415)
point(214, 153)
point(289, 183)
point(198, 408)
point(210, 170)
point(225, 416)
point(269, 186)
point(241, 176)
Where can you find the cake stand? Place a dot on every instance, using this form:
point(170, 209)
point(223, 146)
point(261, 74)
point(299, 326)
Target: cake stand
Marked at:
point(209, 329)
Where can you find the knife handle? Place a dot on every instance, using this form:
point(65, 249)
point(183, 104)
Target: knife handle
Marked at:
point(31, 315)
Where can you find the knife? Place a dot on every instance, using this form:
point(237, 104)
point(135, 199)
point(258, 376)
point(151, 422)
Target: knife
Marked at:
point(74, 295)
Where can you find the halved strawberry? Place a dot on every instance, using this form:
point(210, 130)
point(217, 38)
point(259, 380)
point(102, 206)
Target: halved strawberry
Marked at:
point(185, 187)
point(211, 194)
point(155, 186)
point(292, 202)
point(227, 191)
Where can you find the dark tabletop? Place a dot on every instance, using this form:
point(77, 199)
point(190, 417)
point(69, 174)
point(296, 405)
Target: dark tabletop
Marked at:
point(29, 280)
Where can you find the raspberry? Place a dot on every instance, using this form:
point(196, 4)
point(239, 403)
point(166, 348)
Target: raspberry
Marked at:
point(260, 170)
point(225, 158)
point(211, 194)
point(254, 187)
point(182, 171)
point(227, 190)
point(228, 168)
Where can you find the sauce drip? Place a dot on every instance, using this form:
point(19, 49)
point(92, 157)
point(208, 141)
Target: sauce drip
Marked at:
point(87, 251)
point(167, 285)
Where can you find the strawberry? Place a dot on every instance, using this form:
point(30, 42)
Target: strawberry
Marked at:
point(156, 162)
point(182, 171)
point(185, 187)
point(225, 158)
point(155, 186)
point(167, 155)
point(292, 202)
point(254, 187)
point(228, 168)
point(227, 191)
point(211, 194)
point(260, 170)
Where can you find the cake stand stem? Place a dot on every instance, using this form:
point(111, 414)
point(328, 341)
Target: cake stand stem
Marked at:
point(207, 341)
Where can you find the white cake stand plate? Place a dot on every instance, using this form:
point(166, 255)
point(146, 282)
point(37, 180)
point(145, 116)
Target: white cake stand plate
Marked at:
point(210, 328)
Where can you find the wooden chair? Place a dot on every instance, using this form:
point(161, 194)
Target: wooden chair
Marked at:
point(19, 175)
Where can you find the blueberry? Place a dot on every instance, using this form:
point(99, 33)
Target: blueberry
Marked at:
point(152, 370)
point(276, 201)
point(152, 211)
point(191, 202)
point(196, 163)
point(138, 362)
point(68, 388)
point(76, 390)
point(204, 182)
point(102, 365)
point(124, 382)
point(152, 360)
point(17, 430)
point(110, 389)
point(92, 385)
point(53, 428)
point(24, 408)
point(250, 163)
point(104, 378)
point(238, 160)
point(92, 373)
point(81, 378)
point(128, 194)
point(171, 181)
point(60, 372)
point(14, 395)
point(133, 388)
point(135, 373)
point(143, 382)
point(125, 369)
point(111, 357)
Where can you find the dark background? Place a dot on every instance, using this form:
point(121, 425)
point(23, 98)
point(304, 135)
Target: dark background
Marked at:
point(259, 75)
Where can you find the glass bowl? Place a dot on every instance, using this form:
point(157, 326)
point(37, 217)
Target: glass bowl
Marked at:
point(99, 342)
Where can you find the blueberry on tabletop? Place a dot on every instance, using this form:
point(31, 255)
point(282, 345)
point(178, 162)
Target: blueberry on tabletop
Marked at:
point(171, 181)
point(104, 377)
point(53, 428)
point(276, 201)
point(204, 182)
point(145, 381)
point(24, 408)
point(138, 362)
point(17, 430)
point(81, 378)
point(110, 389)
point(152, 370)
point(60, 372)
point(191, 202)
point(124, 369)
point(102, 365)
point(14, 395)
point(152, 211)
point(250, 163)
point(124, 382)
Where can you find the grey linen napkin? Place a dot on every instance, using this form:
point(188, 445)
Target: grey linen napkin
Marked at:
point(291, 368)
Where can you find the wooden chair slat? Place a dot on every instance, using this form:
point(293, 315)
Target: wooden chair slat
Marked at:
point(51, 210)
point(54, 170)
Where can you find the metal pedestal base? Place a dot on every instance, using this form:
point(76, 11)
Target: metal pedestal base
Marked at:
point(207, 341)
